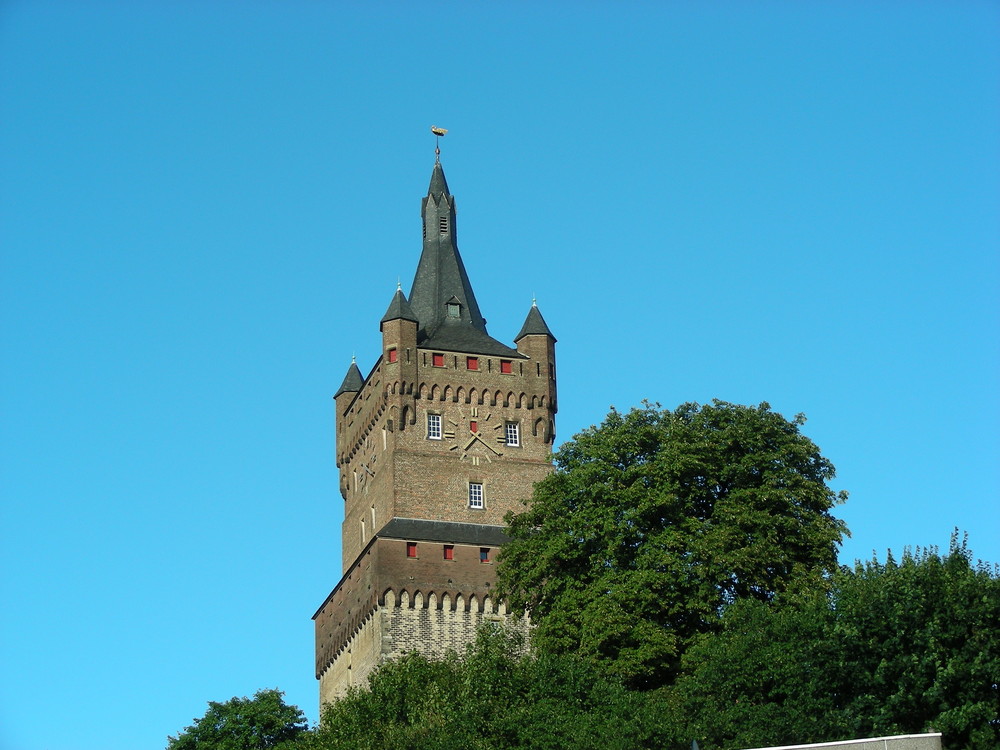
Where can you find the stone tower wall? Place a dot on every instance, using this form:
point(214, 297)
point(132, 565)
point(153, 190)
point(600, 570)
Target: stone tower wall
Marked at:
point(389, 604)
point(403, 624)
point(389, 468)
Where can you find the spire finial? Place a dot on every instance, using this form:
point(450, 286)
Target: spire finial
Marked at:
point(534, 302)
point(438, 133)
point(354, 360)
point(399, 285)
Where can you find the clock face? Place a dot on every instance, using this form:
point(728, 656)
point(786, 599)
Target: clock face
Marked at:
point(473, 436)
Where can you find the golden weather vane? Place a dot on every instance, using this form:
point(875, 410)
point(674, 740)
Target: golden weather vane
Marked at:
point(438, 133)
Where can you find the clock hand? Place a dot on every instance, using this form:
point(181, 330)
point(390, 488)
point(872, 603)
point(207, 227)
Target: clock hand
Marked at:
point(490, 447)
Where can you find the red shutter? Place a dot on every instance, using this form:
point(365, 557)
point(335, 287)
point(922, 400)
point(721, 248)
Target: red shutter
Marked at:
point(505, 366)
point(438, 360)
point(472, 363)
point(393, 354)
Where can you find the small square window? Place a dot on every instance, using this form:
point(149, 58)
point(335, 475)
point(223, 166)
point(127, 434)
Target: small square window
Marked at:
point(411, 549)
point(393, 355)
point(506, 366)
point(484, 554)
point(437, 360)
point(449, 552)
point(473, 426)
point(512, 433)
point(476, 495)
point(472, 363)
point(433, 426)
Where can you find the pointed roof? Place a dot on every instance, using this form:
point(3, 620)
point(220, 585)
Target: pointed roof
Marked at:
point(439, 185)
point(441, 297)
point(399, 309)
point(352, 381)
point(534, 325)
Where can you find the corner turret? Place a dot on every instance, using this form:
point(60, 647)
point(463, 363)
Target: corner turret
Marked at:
point(535, 341)
point(399, 338)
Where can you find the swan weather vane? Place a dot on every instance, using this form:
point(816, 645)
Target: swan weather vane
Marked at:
point(438, 134)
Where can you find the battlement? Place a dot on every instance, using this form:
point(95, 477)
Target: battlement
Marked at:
point(417, 585)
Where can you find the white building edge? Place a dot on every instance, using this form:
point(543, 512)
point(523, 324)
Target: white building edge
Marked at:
point(929, 741)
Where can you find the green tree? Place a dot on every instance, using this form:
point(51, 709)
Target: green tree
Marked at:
point(893, 648)
point(655, 520)
point(771, 676)
point(921, 645)
point(264, 721)
point(494, 696)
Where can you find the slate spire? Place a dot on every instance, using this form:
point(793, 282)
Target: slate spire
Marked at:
point(441, 298)
point(439, 185)
point(441, 273)
point(352, 381)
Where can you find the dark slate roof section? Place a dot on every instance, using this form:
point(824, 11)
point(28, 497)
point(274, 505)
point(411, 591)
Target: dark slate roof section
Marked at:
point(352, 381)
point(441, 273)
point(534, 325)
point(457, 337)
point(441, 279)
point(414, 529)
point(399, 309)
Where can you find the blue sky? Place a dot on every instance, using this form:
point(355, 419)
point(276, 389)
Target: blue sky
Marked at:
point(205, 206)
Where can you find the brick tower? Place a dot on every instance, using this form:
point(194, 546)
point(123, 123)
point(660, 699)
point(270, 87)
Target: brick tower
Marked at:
point(449, 431)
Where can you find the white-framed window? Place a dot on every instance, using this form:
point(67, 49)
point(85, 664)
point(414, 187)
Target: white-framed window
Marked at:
point(476, 495)
point(433, 426)
point(512, 433)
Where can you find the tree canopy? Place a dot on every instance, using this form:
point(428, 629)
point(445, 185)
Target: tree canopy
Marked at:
point(656, 520)
point(259, 723)
point(492, 697)
point(680, 570)
point(893, 648)
point(887, 648)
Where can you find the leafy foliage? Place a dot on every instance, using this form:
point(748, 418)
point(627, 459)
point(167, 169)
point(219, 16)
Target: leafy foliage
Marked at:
point(258, 723)
point(495, 696)
point(894, 648)
point(923, 636)
point(655, 521)
point(680, 568)
point(770, 677)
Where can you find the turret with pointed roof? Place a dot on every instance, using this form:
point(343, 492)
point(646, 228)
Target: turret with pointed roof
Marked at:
point(536, 342)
